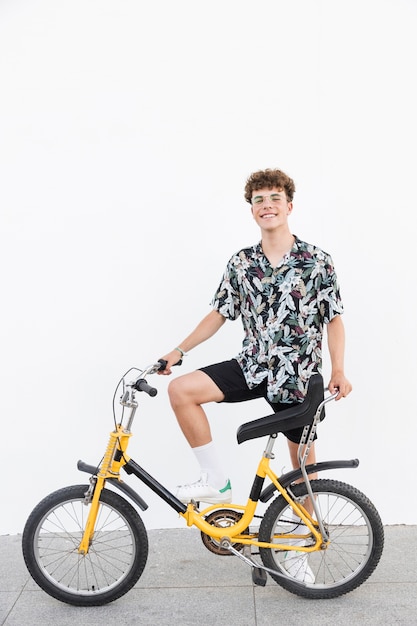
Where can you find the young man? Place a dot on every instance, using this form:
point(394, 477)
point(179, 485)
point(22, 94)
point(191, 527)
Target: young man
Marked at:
point(285, 290)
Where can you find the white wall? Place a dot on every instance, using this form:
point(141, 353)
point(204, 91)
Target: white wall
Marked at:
point(127, 132)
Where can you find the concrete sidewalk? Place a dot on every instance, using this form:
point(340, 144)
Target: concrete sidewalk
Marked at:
point(183, 583)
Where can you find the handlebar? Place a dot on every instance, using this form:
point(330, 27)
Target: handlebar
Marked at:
point(127, 399)
point(140, 383)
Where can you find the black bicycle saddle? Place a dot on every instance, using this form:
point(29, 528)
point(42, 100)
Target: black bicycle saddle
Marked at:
point(293, 417)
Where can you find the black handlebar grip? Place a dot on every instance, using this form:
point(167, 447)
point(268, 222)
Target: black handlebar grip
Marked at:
point(142, 385)
point(165, 363)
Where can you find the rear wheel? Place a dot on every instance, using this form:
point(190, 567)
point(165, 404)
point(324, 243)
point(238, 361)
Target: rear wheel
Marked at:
point(356, 541)
point(116, 557)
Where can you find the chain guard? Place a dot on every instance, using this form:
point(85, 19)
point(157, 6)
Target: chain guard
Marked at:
point(222, 518)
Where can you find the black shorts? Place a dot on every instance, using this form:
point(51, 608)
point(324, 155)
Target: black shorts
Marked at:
point(229, 378)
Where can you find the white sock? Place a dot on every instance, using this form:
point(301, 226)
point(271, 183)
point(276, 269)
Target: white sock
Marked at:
point(209, 463)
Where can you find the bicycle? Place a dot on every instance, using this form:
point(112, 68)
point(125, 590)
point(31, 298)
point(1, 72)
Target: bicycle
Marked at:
point(87, 545)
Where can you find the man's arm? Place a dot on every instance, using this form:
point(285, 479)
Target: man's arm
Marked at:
point(208, 326)
point(336, 344)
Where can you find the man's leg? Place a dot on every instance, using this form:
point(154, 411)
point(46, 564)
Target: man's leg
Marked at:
point(187, 393)
point(296, 562)
point(293, 449)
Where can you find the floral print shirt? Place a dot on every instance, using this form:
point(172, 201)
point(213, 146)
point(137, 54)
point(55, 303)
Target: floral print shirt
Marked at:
point(283, 310)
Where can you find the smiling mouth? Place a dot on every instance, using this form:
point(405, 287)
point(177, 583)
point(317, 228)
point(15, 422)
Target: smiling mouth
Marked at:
point(268, 216)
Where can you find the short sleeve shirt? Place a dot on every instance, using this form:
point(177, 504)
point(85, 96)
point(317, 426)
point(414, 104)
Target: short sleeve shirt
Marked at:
point(283, 311)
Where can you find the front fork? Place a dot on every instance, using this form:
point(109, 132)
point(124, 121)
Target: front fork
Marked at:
point(92, 496)
point(113, 460)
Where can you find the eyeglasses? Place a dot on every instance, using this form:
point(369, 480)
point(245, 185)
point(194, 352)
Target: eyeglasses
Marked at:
point(274, 198)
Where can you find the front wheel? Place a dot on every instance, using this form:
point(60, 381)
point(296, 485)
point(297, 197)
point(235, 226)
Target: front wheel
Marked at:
point(356, 541)
point(116, 557)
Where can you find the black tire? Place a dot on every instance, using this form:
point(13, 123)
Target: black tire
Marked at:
point(356, 541)
point(116, 557)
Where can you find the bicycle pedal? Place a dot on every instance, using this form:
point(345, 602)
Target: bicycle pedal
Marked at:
point(259, 576)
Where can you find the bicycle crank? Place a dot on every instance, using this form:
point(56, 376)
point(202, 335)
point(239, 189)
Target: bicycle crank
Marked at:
point(258, 570)
point(223, 518)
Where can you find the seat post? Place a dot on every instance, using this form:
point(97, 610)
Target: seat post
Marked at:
point(268, 454)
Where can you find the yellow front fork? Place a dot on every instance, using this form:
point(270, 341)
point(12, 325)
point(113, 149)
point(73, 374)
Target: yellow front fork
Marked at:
point(114, 458)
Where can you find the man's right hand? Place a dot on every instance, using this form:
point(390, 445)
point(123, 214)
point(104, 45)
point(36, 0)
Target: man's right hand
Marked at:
point(172, 358)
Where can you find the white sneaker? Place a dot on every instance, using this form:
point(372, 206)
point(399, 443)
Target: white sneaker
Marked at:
point(200, 491)
point(296, 564)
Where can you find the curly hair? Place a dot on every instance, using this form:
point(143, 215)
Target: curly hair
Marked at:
point(268, 179)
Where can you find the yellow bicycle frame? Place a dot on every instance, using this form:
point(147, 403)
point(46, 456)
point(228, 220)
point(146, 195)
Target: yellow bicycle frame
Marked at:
point(115, 457)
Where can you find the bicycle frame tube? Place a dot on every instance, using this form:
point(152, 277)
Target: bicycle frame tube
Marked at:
point(290, 477)
point(131, 467)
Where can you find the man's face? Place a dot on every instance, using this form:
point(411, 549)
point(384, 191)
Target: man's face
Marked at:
point(270, 208)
